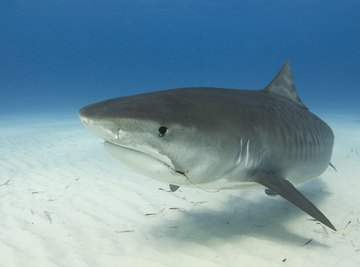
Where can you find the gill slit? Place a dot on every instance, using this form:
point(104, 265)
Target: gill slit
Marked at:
point(247, 153)
point(240, 152)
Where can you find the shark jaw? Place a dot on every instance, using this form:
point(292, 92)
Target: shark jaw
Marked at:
point(140, 158)
point(152, 165)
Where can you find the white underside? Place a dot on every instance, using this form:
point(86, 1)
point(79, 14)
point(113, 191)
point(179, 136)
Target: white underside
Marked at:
point(146, 165)
point(153, 167)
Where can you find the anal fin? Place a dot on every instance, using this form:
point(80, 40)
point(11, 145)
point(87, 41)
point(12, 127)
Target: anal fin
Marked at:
point(285, 189)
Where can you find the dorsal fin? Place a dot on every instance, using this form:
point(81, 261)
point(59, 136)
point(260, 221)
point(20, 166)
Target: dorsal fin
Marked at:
point(283, 84)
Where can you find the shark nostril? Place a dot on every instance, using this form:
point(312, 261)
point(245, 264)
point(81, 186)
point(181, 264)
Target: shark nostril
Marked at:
point(120, 134)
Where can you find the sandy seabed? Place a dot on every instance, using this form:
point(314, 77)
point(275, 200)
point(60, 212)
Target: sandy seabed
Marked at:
point(66, 202)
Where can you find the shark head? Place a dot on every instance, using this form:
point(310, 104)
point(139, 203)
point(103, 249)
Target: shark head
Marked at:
point(156, 136)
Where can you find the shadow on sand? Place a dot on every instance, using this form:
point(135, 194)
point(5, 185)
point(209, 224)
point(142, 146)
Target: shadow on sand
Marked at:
point(240, 217)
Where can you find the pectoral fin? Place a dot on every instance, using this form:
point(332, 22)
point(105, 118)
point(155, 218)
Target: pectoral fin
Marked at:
point(285, 189)
point(173, 188)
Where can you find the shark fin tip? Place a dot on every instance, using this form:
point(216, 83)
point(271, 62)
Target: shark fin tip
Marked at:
point(285, 189)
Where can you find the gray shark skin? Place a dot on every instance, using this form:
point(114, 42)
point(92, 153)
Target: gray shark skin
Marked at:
point(215, 138)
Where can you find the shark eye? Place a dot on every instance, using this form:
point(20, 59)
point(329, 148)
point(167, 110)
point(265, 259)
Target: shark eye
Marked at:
point(162, 131)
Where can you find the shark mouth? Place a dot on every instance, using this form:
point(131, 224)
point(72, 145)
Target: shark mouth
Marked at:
point(149, 163)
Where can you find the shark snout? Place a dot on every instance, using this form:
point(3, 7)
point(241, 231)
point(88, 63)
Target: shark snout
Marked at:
point(87, 116)
point(83, 112)
point(92, 112)
point(97, 113)
point(96, 119)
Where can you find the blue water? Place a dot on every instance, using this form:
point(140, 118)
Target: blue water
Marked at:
point(56, 56)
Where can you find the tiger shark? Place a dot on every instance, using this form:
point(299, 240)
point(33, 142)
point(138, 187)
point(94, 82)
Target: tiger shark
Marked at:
point(216, 138)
